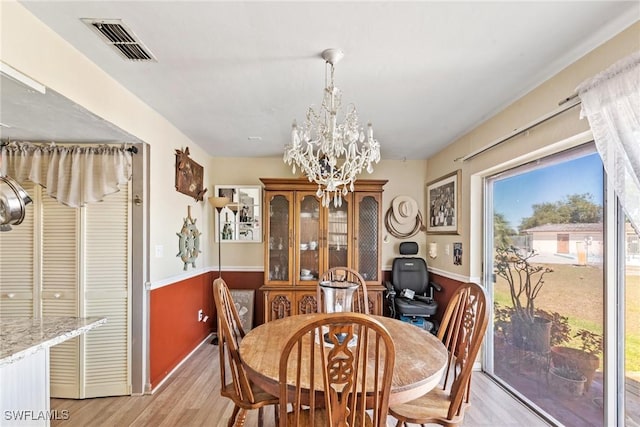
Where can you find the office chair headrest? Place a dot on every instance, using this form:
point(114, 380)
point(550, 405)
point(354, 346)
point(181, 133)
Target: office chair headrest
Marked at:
point(408, 248)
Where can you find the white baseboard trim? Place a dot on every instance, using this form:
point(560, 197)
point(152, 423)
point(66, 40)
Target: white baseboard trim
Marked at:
point(159, 386)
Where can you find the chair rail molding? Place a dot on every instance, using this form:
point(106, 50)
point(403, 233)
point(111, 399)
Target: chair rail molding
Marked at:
point(455, 276)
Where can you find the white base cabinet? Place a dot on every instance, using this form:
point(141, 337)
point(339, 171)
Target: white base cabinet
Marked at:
point(24, 393)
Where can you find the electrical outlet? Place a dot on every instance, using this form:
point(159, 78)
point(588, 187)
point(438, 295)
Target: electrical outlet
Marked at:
point(159, 251)
point(200, 315)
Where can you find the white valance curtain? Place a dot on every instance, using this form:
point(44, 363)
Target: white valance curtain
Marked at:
point(73, 175)
point(611, 103)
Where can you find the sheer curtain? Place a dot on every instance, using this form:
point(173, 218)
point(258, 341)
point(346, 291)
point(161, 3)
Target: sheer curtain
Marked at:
point(611, 103)
point(73, 175)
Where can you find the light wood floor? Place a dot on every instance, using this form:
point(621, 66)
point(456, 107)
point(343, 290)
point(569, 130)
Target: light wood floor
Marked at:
point(191, 397)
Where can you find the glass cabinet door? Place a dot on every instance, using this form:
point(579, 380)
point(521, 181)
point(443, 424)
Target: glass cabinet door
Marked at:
point(308, 238)
point(338, 237)
point(367, 232)
point(279, 235)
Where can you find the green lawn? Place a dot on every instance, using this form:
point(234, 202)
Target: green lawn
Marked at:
point(577, 292)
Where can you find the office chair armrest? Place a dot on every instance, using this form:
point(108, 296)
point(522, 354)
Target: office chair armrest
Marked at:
point(435, 286)
point(391, 292)
point(422, 298)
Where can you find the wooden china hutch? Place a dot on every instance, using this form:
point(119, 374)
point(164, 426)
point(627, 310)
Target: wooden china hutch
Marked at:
point(304, 239)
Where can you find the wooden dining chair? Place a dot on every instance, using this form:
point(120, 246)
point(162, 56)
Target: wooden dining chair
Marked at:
point(462, 330)
point(244, 394)
point(346, 274)
point(348, 359)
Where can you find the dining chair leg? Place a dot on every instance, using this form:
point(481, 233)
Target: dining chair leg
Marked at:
point(276, 414)
point(260, 417)
point(242, 418)
point(234, 414)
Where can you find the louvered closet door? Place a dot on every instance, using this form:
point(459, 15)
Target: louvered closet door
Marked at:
point(64, 261)
point(60, 278)
point(107, 293)
point(17, 265)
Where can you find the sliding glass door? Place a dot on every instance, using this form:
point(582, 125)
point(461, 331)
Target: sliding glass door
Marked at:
point(545, 244)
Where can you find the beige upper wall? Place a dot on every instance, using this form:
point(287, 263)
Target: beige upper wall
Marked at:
point(29, 46)
point(555, 134)
point(405, 178)
point(37, 51)
point(34, 49)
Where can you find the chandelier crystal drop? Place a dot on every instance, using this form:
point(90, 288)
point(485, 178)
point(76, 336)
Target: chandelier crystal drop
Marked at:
point(328, 153)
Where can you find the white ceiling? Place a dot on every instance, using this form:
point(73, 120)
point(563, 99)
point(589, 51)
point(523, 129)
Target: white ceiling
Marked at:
point(423, 73)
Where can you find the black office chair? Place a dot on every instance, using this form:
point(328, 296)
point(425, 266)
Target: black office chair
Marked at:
point(410, 292)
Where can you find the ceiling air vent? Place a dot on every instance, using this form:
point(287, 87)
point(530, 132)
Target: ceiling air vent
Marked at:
point(116, 34)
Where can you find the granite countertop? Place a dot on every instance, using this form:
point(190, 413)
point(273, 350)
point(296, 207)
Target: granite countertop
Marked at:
point(23, 336)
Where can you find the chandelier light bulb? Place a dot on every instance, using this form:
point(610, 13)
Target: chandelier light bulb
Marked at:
point(330, 153)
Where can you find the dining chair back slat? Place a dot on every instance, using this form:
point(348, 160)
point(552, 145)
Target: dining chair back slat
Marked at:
point(237, 387)
point(333, 368)
point(462, 330)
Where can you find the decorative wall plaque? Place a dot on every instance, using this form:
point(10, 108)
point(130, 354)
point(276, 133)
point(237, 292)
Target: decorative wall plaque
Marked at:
point(189, 241)
point(189, 176)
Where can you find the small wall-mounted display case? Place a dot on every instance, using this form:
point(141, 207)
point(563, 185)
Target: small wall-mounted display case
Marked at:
point(241, 219)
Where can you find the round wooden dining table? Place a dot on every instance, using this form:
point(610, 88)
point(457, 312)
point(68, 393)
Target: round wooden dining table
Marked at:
point(420, 357)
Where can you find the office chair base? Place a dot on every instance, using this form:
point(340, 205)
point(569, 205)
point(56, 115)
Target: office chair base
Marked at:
point(421, 322)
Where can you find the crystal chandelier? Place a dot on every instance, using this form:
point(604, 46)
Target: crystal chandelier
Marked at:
point(328, 153)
